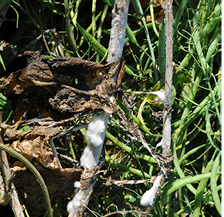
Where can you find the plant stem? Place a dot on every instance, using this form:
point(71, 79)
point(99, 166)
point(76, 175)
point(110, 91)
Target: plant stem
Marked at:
point(36, 174)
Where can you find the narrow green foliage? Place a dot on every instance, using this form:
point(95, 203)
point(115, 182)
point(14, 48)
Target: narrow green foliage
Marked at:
point(82, 29)
point(214, 189)
point(101, 50)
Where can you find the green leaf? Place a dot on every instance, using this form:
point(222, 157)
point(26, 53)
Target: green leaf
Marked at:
point(101, 50)
point(2, 62)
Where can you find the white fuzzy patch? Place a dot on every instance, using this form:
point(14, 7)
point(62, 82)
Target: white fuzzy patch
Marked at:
point(95, 134)
point(69, 206)
point(149, 196)
point(90, 156)
point(160, 143)
point(160, 94)
point(75, 203)
point(96, 130)
point(77, 184)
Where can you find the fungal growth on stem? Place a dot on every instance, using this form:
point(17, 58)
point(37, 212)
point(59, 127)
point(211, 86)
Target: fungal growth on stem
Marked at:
point(97, 128)
point(95, 135)
point(149, 197)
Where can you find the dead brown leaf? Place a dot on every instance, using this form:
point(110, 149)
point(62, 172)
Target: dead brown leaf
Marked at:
point(61, 90)
point(65, 84)
point(30, 144)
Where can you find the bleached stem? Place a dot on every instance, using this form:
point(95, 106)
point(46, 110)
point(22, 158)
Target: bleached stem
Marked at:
point(117, 36)
point(149, 197)
point(168, 78)
point(97, 128)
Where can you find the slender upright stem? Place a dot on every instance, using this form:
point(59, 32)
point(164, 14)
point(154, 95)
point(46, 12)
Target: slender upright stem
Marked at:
point(149, 197)
point(116, 44)
point(117, 36)
point(168, 78)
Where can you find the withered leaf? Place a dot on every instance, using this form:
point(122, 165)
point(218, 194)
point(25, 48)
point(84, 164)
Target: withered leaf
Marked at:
point(56, 89)
point(65, 84)
point(30, 144)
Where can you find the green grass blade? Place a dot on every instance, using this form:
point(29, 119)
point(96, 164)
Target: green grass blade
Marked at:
point(192, 151)
point(100, 49)
point(210, 25)
point(126, 168)
point(214, 190)
point(138, 9)
point(200, 190)
point(2, 62)
point(152, 17)
point(128, 149)
point(182, 182)
point(179, 14)
point(209, 129)
point(69, 28)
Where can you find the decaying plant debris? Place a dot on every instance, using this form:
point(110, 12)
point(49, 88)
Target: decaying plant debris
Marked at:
point(65, 84)
point(64, 91)
point(61, 91)
point(58, 91)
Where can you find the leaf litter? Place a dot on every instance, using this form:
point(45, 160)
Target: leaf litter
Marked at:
point(62, 92)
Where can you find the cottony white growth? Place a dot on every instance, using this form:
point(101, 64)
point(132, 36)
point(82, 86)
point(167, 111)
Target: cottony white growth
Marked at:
point(149, 196)
point(77, 184)
point(160, 94)
point(90, 156)
point(160, 143)
point(95, 135)
point(75, 203)
point(96, 130)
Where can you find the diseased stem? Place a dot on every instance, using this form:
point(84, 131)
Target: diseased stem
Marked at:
point(149, 197)
point(168, 78)
point(116, 44)
point(118, 28)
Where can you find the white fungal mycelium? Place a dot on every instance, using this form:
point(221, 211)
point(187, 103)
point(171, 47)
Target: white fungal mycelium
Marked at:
point(95, 135)
point(75, 203)
point(160, 94)
point(149, 196)
point(77, 184)
point(160, 143)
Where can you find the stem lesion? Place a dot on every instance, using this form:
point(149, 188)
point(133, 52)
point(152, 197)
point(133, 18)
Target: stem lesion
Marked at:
point(149, 197)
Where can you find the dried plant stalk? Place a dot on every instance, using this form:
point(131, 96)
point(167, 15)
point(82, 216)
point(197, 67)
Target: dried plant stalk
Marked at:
point(9, 186)
point(116, 44)
point(149, 197)
point(119, 23)
point(168, 78)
